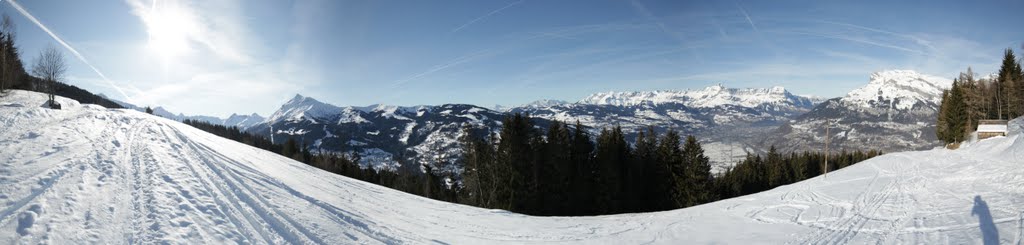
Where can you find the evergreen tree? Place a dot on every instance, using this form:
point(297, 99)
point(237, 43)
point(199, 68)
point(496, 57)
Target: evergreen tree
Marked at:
point(775, 168)
point(648, 172)
point(430, 185)
point(698, 173)
point(581, 178)
point(941, 125)
point(956, 114)
point(557, 166)
point(290, 148)
point(1009, 81)
point(516, 155)
point(611, 158)
point(670, 156)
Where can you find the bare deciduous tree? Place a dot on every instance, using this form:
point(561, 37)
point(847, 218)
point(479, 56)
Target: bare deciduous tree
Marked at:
point(50, 67)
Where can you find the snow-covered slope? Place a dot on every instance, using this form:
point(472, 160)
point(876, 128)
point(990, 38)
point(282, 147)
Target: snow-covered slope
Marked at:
point(87, 174)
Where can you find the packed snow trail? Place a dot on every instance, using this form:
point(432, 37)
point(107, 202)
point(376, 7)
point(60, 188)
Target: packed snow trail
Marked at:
point(87, 174)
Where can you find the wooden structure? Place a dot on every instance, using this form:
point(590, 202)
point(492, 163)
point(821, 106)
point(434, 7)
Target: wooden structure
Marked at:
point(991, 128)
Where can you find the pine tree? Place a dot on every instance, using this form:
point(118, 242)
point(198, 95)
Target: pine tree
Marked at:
point(516, 155)
point(698, 173)
point(581, 178)
point(775, 168)
point(430, 185)
point(611, 159)
point(290, 148)
point(556, 169)
point(10, 65)
point(941, 125)
point(670, 156)
point(473, 166)
point(649, 172)
point(956, 116)
point(1011, 86)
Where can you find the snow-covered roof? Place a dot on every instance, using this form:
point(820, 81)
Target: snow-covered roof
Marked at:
point(992, 128)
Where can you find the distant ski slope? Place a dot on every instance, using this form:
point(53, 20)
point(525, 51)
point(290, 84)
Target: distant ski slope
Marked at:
point(87, 174)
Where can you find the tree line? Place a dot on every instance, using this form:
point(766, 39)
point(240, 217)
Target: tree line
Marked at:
point(970, 100)
point(563, 172)
point(756, 173)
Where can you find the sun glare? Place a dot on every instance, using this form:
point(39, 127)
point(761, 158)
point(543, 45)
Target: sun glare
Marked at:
point(168, 27)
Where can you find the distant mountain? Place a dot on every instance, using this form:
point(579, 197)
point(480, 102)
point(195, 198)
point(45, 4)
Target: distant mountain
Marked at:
point(537, 103)
point(386, 137)
point(895, 111)
point(710, 97)
point(391, 137)
point(240, 121)
point(724, 118)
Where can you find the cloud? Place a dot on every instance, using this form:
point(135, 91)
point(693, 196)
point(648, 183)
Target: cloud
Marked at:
point(216, 26)
point(67, 46)
point(222, 61)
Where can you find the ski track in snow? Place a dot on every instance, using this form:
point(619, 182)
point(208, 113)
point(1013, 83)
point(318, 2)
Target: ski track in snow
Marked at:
point(87, 174)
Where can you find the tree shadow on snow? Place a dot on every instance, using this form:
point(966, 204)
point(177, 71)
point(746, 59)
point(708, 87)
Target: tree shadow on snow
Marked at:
point(990, 234)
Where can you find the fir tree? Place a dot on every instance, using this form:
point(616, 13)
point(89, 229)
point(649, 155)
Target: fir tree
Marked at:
point(611, 158)
point(698, 173)
point(581, 178)
point(647, 172)
point(557, 166)
point(1010, 82)
point(670, 156)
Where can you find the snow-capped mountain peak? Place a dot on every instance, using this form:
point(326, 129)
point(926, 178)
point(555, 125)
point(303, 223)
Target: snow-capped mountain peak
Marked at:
point(301, 107)
point(899, 89)
point(546, 103)
point(712, 96)
point(242, 121)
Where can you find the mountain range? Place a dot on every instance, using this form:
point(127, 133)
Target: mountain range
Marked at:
point(894, 111)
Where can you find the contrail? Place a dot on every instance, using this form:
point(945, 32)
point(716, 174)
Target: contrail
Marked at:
point(486, 15)
point(744, 11)
point(65, 44)
point(437, 68)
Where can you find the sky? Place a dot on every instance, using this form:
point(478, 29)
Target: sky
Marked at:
point(218, 57)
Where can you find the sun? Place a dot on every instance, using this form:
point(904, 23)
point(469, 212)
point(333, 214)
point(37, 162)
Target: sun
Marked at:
point(169, 28)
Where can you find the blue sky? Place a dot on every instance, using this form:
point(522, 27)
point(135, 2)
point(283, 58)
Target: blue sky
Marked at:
point(216, 57)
